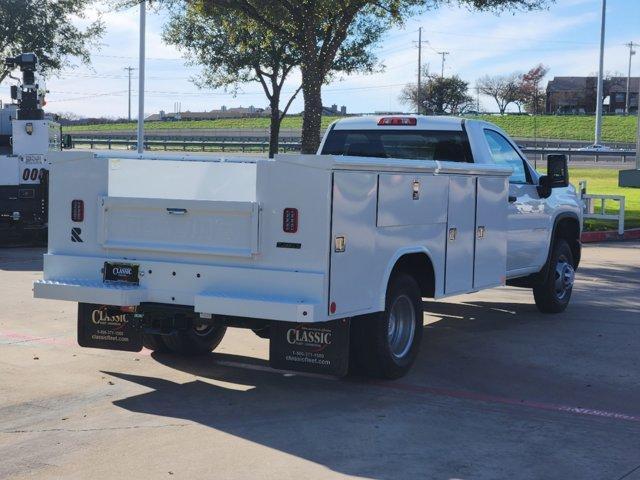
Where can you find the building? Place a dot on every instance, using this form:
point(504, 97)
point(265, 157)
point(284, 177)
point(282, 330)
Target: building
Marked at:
point(333, 110)
point(577, 95)
point(223, 112)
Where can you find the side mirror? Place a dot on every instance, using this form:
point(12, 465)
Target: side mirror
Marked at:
point(557, 171)
point(557, 175)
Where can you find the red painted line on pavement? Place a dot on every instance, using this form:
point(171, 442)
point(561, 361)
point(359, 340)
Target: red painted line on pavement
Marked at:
point(389, 385)
point(481, 397)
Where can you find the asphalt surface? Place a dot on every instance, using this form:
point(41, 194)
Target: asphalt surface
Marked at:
point(499, 391)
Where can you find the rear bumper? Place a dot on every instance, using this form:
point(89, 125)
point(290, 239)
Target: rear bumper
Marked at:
point(290, 296)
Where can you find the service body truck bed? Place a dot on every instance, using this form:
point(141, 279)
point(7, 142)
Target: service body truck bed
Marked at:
point(170, 251)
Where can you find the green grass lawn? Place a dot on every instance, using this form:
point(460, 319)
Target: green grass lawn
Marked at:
point(614, 128)
point(605, 181)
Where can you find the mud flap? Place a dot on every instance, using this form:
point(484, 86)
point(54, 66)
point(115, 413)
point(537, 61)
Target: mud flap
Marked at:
point(100, 326)
point(310, 347)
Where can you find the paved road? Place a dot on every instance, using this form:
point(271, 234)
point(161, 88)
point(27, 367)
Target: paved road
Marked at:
point(499, 392)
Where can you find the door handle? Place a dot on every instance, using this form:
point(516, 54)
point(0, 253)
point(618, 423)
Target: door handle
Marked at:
point(177, 211)
point(512, 198)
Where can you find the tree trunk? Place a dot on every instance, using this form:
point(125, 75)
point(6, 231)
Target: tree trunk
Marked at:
point(311, 122)
point(274, 133)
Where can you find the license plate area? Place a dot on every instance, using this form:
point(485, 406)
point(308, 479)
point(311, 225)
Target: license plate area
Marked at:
point(115, 272)
point(310, 347)
point(100, 326)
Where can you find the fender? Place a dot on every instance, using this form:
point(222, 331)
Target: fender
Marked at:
point(536, 278)
point(382, 296)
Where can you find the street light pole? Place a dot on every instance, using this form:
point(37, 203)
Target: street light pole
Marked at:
point(598, 133)
point(419, 67)
point(141, 79)
point(632, 52)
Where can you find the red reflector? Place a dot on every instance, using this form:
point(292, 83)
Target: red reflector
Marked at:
point(332, 308)
point(403, 121)
point(290, 220)
point(77, 210)
point(127, 309)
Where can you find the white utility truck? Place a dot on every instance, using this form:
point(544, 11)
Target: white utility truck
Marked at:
point(26, 139)
point(329, 255)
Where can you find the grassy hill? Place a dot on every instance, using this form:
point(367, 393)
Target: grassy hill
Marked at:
point(224, 123)
point(614, 128)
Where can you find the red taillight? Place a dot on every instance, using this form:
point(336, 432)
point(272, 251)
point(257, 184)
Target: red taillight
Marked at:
point(332, 308)
point(403, 121)
point(128, 309)
point(290, 220)
point(77, 210)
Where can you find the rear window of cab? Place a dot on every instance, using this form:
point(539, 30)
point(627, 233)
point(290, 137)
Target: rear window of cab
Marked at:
point(450, 146)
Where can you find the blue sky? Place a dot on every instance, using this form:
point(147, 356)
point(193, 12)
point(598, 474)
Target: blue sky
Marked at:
point(564, 37)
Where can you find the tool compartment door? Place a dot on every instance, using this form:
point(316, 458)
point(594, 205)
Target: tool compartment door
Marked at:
point(353, 219)
point(461, 214)
point(179, 226)
point(490, 261)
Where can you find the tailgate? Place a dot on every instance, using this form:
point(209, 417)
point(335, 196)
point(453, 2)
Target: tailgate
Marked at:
point(180, 226)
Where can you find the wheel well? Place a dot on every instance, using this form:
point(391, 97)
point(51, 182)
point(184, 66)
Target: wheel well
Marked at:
point(419, 266)
point(568, 228)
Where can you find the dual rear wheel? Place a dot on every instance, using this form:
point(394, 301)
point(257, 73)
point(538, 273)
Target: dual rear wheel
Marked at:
point(385, 344)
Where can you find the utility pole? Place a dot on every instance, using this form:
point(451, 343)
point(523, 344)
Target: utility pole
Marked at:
point(598, 133)
point(419, 67)
point(632, 52)
point(141, 59)
point(129, 69)
point(444, 54)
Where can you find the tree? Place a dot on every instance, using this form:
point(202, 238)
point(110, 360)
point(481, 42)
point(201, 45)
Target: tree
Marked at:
point(532, 95)
point(504, 89)
point(234, 49)
point(438, 95)
point(47, 29)
point(330, 31)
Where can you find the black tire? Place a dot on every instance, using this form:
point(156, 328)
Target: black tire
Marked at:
point(553, 295)
point(371, 341)
point(154, 343)
point(193, 341)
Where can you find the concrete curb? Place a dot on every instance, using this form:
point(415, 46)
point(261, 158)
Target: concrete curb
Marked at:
point(610, 235)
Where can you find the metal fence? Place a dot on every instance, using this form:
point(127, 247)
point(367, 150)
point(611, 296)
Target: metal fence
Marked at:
point(183, 143)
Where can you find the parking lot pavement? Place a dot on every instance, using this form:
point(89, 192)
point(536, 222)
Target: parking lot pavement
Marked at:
point(498, 391)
